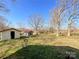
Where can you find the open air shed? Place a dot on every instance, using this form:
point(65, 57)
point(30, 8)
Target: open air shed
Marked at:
point(11, 33)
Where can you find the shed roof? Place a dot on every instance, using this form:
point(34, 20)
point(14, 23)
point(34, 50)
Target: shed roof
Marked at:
point(27, 30)
point(10, 29)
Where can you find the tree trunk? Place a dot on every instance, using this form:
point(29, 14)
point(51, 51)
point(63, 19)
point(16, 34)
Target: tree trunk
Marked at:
point(69, 29)
point(57, 33)
point(69, 33)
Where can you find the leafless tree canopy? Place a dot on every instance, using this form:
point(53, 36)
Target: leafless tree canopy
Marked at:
point(3, 8)
point(65, 9)
point(36, 21)
point(3, 23)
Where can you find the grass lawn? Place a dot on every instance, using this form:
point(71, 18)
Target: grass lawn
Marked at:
point(41, 47)
point(43, 52)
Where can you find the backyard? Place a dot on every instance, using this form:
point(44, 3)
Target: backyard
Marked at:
point(45, 46)
point(39, 29)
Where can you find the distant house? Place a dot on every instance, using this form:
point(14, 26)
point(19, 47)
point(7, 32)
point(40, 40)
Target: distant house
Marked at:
point(11, 33)
point(27, 32)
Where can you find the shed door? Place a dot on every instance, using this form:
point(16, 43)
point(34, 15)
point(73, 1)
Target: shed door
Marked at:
point(12, 35)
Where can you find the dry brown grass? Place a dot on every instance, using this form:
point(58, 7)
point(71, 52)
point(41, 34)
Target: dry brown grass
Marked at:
point(9, 47)
point(50, 39)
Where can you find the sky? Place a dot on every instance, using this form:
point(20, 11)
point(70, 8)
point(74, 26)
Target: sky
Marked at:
point(22, 9)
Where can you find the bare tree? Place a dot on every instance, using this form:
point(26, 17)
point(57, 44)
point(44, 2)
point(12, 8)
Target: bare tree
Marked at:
point(50, 26)
point(3, 8)
point(56, 20)
point(56, 14)
point(36, 22)
point(3, 23)
point(73, 15)
point(72, 10)
point(63, 8)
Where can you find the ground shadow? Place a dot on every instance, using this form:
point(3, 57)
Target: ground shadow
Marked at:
point(43, 52)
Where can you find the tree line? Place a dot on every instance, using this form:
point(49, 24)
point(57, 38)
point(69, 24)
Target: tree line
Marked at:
point(66, 11)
